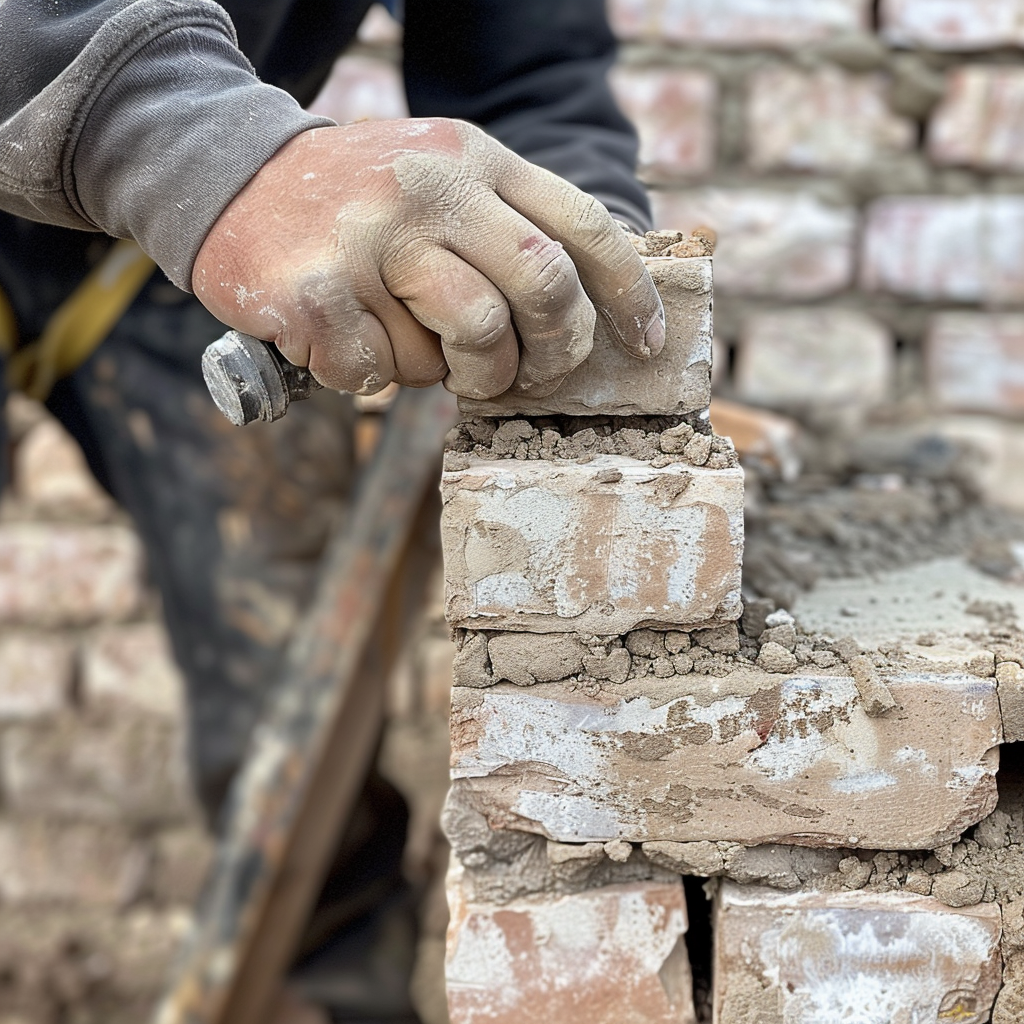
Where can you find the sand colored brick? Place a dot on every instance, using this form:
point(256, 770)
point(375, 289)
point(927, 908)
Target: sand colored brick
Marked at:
point(35, 675)
point(616, 953)
point(974, 362)
point(786, 245)
point(807, 958)
point(737, 24)
point(953, 24)
point(131, 667)
point(56, 575)
point(814, 357)
point(935, 248)
point(601, 547)
point(750, 758)
point(674, 111)
point(612, 382)
point(824, 120)
point(999, 449)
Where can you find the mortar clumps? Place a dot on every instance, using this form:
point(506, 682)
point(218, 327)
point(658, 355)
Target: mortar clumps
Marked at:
point(659, 440)
point(701, 242)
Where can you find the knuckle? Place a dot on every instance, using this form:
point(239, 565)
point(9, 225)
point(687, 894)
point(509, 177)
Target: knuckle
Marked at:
point(558, 281)
point(481, 331)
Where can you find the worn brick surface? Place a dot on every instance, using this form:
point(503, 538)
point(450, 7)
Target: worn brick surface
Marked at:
point(778, 244)
point(35, 674)
point(974, 362)
point(750, 757)
point(737, 23)
point(999, 449)
point(181, 858)
point(930, 247)
point(362, 87)
point(954, 24)
point(980, 123)
point(674, 111)
point(53, 575)
point(600, 548)
point(807, 958)
point(824, 120)
point(615, 953)
point(131, 666)
point(612, 382)
point(813, 357)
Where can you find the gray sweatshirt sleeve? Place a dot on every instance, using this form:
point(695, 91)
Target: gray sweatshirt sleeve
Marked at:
point(139, 118)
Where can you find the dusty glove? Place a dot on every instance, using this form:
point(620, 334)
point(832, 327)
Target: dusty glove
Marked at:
point(418, 250)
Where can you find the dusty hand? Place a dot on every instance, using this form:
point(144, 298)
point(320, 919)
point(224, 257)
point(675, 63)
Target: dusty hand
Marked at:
point(418, 250)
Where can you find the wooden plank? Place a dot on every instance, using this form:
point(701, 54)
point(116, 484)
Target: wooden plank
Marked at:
point(309, 756)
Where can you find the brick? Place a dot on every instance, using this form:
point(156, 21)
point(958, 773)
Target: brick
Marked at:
point(805, 958)
point(998, 447)
point(674, 111)
point(615, 953)
point(602, 547)
point(953, 24)
point(51, 476)
point(737, 23)
point(778, 244)
point(87, 864)
point(362, 88)
point(131, 666)
point(814, 357)
point(62, 575)
point(974, 362)
point(181, 859)
point(968, 249)
point(35, 675)
point(611, 382)
point(980, 122)
point(125, 769)
point(760, 437)
point(824, 120)
point(750, 758)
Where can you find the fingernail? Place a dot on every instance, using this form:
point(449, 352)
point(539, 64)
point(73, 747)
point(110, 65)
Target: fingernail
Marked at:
point(655, 336)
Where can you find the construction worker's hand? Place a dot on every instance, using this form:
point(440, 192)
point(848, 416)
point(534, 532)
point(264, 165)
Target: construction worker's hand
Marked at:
point(418, 250)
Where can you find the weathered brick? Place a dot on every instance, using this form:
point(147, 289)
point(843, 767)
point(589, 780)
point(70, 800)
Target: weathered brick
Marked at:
point(954, 24)
point(612, 382)
point(814, 357)
point(999, 449)
point(750, 758)
point(128, 768)
point(57, 575)
point(674, 111)
point(131, 666)
point(181, 859)
point(362, 88)
point(967, 249)
point(980, 122)
point(974, 362)
point(823, 120)
point(806, 958)
point(737, 23)
point(35, 675)
point(84, 863)
point(777, 244)
point(616, 953)
point(759, 436)
point(602, 547)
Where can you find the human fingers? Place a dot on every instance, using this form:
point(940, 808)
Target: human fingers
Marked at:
point(419, 358)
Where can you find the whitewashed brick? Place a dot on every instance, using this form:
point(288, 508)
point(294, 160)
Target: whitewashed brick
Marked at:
point(132, 666)
point(750, 757)
point(612, 382)
point(362, 88)
point(954, 24)
point(615, 953)
point(807, 958)
point(974, 362)
point(779, 244)
point(964, 249)
point(58, 575)
point(737, 24)
point(814, 357)
point(35, 675)
point(824, 120)
point(980, 122)
point(674, 111)
point(602, 547)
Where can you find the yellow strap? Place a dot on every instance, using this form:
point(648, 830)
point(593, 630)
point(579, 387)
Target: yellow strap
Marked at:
point(81, 322)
